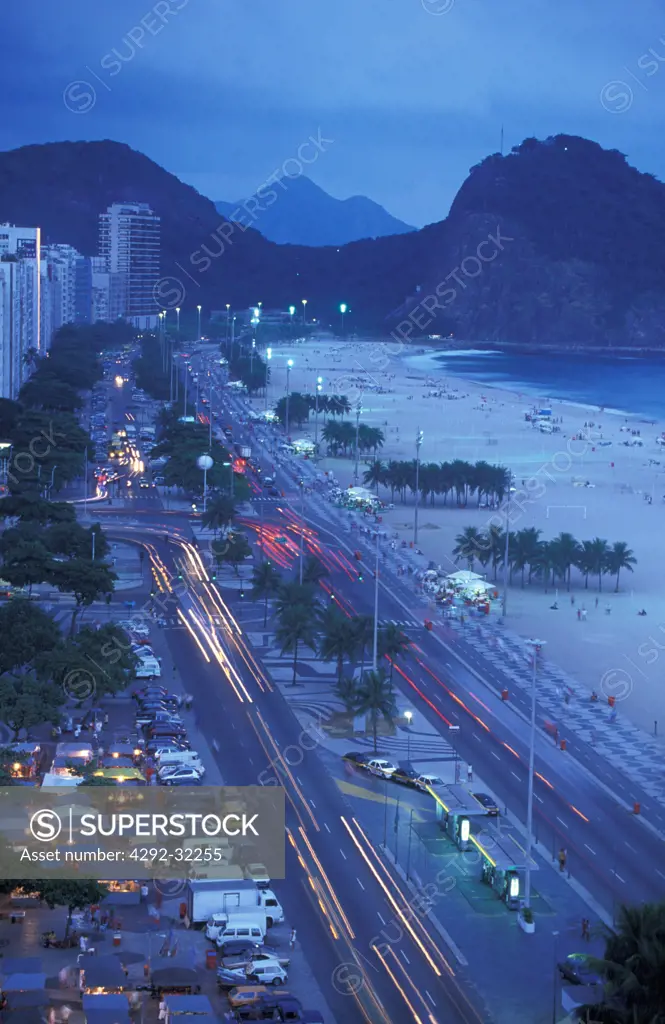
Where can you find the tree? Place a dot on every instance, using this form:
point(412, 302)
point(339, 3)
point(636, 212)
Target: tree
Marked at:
point(295, 629)
point(374, 475)
point(337, 640)
point(265, 584)
point(313, 570)
point(85, 579)
point(467, 545)
point(564, 551)
point(294, 594)
point(347, 691)
point(376, 698)
point(392, 642)
point(75, 541)
point(526, 550)
point(26, 631)
point(633, 968)
point(234, 549)
point(598, 550)
point(75, 895)
point(362, 630)
point(26, 701)
point(619, 557)
point(586, 560)
point(104, 655)
point(220, 513)
point(299, 408)
point(28, 563)
point(45, 391)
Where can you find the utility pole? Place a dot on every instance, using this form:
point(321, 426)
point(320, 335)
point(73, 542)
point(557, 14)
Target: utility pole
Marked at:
point(289, 364)
point(184, 404)
point(419, 441)
point(536, 647)
point(358, 411)
point(319, 387)
point(302, 527)
point(85, 492)
point(210, 415)
point(504, 603)
point(375, 647)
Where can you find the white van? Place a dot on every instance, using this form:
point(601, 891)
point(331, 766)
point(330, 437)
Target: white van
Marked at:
point(188, 757)
point(149, 668)
point(242, 928)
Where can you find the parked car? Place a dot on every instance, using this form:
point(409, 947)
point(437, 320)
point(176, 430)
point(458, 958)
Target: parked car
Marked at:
point(357, 758)
point(280, 1006)
point(488, 802)
point(256, 955)
point(574, 970)
point(165, 731)
point(177, 742)
point(406, 776)
point(182, 776)
point(229, 978)
point(423, 781)
point(150, 691)
point(238, 947)
point(243, 995)
point(378, 766)
point(168, 771)
point(267, 974)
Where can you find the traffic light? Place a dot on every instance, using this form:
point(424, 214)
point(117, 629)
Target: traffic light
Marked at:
point(332, 596)
point(179, 575)
point(242, 594)
point(214, 576)
point(360, 577)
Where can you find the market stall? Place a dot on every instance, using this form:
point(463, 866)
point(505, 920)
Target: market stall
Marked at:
point(106, 1009)
point(175, 980)
point(101, 975)
point(188, 1006)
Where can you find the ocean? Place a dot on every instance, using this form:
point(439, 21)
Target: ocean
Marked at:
point(632, 386)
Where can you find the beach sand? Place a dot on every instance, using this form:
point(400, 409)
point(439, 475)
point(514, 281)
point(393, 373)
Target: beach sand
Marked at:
point(617, 652)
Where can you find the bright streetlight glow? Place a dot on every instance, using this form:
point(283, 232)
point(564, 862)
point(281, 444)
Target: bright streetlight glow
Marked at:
point(289, 363)
point(343, 307)
point(408, 715)
point(292, 310)
point(268, 353)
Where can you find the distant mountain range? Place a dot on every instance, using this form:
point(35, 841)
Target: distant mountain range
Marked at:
point(298, 212)
point(560, 243)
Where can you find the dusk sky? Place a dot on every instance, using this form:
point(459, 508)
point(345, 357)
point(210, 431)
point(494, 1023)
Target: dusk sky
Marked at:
point(409, 93)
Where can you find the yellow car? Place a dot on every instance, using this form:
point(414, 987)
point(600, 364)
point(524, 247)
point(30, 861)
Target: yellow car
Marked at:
point(245, 995)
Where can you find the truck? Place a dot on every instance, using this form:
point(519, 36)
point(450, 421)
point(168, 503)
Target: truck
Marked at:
point(214, 900)
point(243, 451)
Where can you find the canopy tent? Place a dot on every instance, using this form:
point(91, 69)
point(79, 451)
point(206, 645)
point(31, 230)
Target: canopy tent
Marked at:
point(195, 1005)
point(175, 977)
point(30, 982)
point(30, 1015)
point(20, 965)
point(464, 576)
point(26, 1000)
point(104, 972)
point(111, 1008)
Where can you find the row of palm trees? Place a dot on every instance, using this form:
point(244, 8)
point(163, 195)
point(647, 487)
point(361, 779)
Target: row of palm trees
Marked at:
point(459, 479)
point(548, 561)
point(304, 619)
point(343, 435)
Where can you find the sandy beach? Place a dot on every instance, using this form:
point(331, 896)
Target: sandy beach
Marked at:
point(566, 481)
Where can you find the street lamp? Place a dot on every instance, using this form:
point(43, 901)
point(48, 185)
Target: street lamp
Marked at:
point(408, 715)
point(205, 463)
point(292, 310)
point(228, 325)
point(419, 441)
point(289, 364)
point(375, 645)
point(198, 310)
point(504, 602)
point(343, 308)
point(319, 389)
point(304, 311)
point(358, 411)
point(230, 464)
point(177, 313)
point(536, 647)
point(268, 356)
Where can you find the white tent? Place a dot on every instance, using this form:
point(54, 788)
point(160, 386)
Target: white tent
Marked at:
point(464, 576)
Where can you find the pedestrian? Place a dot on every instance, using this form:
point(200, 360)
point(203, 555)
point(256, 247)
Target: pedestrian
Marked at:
point(189, 700)
point(584, 615)
point(572, 599)
point(106, 718)
point(586, 930)
point(596, 602)
point(469, 773)
point(292, 938)
point(579, 614)
point(144, 892)
point(562, 857)
point(608, 609)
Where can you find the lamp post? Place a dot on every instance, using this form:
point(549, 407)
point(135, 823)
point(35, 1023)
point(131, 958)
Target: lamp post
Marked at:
point(177, 313)
point(265, 390)
point(343, 308)
point(504, 602)
point(204, 462)
point(210, 413)
point(408, 715)
point(304, 311)
point(292, 310)
point(302, 527)
point(358, 411)
point(230, 465)
point(536, 647)
point(289, 364)
point(319, 389)
point(419, 441)
point(198, 310)
point(375, 644)
point(184, 406)
point(233, 334)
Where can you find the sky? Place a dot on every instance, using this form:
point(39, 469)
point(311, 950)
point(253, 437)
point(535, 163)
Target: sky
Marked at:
point(403, 96)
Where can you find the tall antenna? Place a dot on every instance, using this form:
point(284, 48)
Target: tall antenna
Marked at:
point(501, 140)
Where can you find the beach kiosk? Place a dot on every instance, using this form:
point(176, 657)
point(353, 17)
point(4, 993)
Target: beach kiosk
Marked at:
point(455, 809)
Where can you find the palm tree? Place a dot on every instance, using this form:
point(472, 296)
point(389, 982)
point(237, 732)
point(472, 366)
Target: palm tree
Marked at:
point(619, 557)
point(313, 570)
point(374, 475)
point(295, 627)
point(633, 967)
point(525, 547)
point(219, 513)
point(347, 691)
point(293, 594)
point(337, 640)
point(496, 544)
point(599, 550)
point(376, 698)
point(392, 642)
point(467, 545)
point(362, 630)
point(585, 561)
point(265, 584)
point(564, 551)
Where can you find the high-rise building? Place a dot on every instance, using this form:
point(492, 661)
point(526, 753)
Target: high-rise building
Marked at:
point(20, 320)
point(129, 243)
point(62, 263)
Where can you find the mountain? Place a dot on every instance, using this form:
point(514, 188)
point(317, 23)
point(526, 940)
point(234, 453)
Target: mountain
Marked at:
point(297, 211)
point(558, 244)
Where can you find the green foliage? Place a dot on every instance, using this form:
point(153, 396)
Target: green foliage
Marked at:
point(265, 584)
point(26, 701)
point(152, 369)
point(233, 549)
point(25, 632)
point(458, 479)
point(337, 641)
point(220, 512)
point(392, 643)
point(86, 580)
point(376, 698)
point(295, 627)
